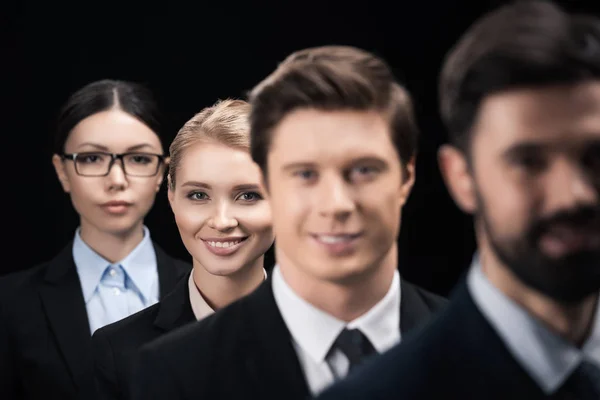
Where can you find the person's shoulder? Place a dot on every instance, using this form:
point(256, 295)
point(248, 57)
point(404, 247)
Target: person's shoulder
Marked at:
point(19, 283)
point(180, 265)
point(432, 300)
point(219, 326)
point(214, 337)
point(130, 326)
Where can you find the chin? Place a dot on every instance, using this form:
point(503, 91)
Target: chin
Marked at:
point(223, 270)
point(118, 229)
point(343, 272)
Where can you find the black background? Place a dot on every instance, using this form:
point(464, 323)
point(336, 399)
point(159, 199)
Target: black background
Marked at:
point(191, 54)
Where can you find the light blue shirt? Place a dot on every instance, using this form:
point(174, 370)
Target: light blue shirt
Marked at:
point(547, 358)
point(115, 291)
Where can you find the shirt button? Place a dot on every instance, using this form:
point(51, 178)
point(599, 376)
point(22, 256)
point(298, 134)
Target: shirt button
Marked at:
point(117, 291)
point(112, 272)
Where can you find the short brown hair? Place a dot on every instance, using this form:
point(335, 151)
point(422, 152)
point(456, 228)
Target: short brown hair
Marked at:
point(331, 78)
point(529, 43)
point(226, 122)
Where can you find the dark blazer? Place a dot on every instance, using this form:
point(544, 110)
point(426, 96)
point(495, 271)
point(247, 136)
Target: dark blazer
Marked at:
point(44, 328)
point(114, 346)
point(457, 356)
point(244, 351)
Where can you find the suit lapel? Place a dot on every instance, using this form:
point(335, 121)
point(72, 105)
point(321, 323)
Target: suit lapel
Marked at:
point(175, 309)
point(413, 310)
point(64, 305)
point(272, 352)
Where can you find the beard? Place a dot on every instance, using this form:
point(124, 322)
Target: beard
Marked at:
point(567, 279)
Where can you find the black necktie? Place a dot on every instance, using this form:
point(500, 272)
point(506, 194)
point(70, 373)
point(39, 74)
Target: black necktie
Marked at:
point(584, 383)
point(355, 346)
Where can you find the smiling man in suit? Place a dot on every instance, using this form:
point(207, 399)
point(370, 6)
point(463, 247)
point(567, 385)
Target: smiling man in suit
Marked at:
point(520, 94)
point(335, 137)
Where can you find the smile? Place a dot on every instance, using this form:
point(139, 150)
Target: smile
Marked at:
point(339, 244)
point(225, 246)
point(338, 238)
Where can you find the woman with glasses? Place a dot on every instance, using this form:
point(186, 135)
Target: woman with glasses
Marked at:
point(110, 160)
point(224, 220)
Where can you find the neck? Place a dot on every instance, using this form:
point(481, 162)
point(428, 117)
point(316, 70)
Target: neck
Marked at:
point(221, 290)
point(112, 246)
point(572, 321)
point(346, 299)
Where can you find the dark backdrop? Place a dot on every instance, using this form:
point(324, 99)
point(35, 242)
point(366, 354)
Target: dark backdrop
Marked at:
point(192, 53)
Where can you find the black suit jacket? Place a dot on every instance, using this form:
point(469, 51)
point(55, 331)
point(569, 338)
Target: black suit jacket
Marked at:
point(244, 351)
point(44, 328)
point(114, 346)
point(457, 356)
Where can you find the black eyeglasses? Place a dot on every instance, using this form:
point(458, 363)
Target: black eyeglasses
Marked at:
point(99, 163)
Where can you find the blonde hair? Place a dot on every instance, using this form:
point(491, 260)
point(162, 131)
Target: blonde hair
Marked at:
point(226, 123)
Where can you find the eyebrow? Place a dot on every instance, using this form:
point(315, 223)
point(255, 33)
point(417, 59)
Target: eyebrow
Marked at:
point(200, 185)
point(522, 149)
point(298, 165)
point(236, 188)
point(353, 161)
point(104, 148)
point(246, 187)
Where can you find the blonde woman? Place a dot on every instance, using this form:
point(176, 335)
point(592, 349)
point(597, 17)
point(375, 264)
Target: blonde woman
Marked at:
point(217, 199)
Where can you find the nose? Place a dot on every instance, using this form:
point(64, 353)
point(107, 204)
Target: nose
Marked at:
point(334, 198)
point(222, 220)
point(570, 186)
point(117, 180)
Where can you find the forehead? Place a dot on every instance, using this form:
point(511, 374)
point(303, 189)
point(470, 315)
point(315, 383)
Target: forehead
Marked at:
point(560, 114)
point(217, 165)
point(114, 129)
point(322, 136)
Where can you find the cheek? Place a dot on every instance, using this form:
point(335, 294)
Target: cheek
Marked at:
point(84, 193)
point(145, 190)
point(383, 211)
point(189, 218)
point(256, 219)
point(290, 206)
point(507, 204)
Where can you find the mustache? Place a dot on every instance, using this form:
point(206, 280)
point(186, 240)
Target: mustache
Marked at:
point(585, 218)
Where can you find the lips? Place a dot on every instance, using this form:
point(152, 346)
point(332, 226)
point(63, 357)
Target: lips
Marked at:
point(562, 240)
point(224, 243)
point(337, 244)
point(224, 246)
point(328, 238)
point(116, 207)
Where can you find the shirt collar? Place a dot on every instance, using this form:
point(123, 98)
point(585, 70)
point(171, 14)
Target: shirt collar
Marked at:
point(91, 265)
point(546, 357)
point(200, 307)
point(315, 331)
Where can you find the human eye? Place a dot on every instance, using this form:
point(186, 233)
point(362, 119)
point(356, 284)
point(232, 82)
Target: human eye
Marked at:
point(197, 196)
point(305, 174)
point(90, 158)
point(529, 161)
point(250, 197)
point(363, 172)
point(140, 158)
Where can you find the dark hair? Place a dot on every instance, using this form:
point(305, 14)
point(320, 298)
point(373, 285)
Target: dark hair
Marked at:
point(525, 44)
point(331, 78)
point(130, 97)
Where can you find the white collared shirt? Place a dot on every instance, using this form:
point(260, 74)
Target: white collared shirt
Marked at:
point(547, 358)
point(314, 331)
point(113, 291)
point(200, 307)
